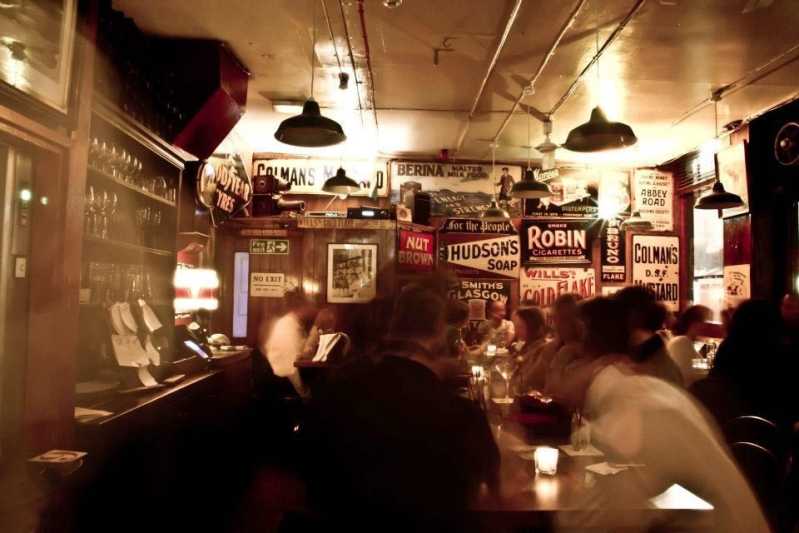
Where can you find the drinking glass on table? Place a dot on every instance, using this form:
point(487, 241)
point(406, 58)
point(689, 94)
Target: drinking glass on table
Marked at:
point(505, 368)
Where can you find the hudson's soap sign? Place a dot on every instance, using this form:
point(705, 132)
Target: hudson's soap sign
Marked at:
point(562, 241)
point(476, 255)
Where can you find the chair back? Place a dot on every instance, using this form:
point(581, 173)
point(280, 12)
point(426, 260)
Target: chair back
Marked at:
point(757, 430)
point(762, 469)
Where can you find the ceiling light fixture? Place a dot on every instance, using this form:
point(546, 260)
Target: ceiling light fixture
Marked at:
point(599, 134)
point(341, 183)
point(718, 199)
point(494, 213)
point(310, 129)
point(637, 222)
point(528, 186)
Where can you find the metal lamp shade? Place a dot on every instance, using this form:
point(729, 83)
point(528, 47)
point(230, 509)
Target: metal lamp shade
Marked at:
point(719, 199)
point(341, 184)
point(636, 222)
point(310, 129)
point(494, 213)
point(599, 134)
point(529, 187)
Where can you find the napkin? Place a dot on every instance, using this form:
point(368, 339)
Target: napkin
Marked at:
point(588, 451)
point(605, 468)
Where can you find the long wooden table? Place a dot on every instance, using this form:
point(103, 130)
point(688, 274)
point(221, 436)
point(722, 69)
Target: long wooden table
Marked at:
point(574, 498)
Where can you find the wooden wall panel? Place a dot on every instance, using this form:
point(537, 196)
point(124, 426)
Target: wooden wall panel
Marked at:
point(305, 267)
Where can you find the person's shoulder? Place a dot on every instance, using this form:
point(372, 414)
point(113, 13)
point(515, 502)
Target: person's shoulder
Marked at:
point(680, 341)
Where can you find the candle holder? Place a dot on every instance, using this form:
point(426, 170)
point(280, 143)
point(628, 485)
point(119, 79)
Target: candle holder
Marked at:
point(546, 460)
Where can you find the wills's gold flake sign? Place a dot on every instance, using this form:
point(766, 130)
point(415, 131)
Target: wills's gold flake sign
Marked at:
point(541, 286)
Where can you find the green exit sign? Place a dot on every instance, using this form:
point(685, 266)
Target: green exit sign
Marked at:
point(269, 246)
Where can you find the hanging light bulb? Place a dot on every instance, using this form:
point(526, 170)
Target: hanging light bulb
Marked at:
point(718, 199)
point(599, 134)
point(528, 186)
point(310, 128)
point(494, 213)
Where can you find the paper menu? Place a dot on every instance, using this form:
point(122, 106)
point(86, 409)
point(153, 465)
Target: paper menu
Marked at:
point(149, 317)
point(128, 351)
point(588, 451)
point(146, 378)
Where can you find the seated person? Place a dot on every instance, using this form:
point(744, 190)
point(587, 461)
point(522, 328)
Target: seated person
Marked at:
point(530, 326)
point(645, 317)
point(686, 332)
point(565, 348)
point(390, 436)
point(496, 329)
point(637, 418)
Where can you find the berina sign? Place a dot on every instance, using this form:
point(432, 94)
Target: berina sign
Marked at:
point(656, 265)
point(566, 241)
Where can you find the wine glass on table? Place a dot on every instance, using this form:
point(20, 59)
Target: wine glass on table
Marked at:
point(506, 368)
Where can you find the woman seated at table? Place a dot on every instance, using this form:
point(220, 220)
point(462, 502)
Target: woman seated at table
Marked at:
point(686, 331)
point(636, 418)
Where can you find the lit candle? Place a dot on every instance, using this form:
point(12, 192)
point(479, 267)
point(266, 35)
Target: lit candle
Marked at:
point(477, 371)
point(491, 350)
point(546, 460)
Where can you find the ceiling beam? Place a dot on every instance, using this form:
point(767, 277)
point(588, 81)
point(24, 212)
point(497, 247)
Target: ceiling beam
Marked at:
point(489, 71)
point(544, 62)
point(608, 42)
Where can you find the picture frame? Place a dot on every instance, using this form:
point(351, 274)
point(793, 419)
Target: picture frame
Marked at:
point(731, 168)
point(351, 273)
point(36, 51)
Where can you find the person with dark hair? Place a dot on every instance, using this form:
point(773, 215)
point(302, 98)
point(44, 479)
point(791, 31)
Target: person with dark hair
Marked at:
point(638, 418)
point(750, 373)
point(686, 332)
point(530, 325)
point(457, 319)
point(644, 317)
point(393, 436)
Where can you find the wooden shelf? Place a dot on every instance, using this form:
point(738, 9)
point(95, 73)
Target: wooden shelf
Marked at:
point(99, 173)
point(128, 246)
point(151, 303)
point(137, 131)
point(194, 234)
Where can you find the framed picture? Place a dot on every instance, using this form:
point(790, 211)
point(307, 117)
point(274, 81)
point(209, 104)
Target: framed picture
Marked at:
point(732, 173)
point(351, 273)
point(36, 46)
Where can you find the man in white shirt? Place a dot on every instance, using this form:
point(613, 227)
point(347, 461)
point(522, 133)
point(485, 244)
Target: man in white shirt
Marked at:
point(496, 329)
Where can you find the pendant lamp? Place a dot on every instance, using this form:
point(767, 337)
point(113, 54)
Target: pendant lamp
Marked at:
point(599, 134)
point(494, 213)
point(636, 222)
point(528, 186)
point(341, 183)
point(310, 128)
point(718, 199)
